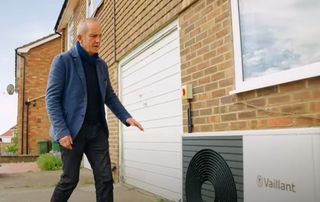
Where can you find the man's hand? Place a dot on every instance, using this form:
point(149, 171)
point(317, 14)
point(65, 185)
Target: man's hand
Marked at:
point(135, 123)
point(66, 142)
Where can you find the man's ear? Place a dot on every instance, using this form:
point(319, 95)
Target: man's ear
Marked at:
point(79, 37)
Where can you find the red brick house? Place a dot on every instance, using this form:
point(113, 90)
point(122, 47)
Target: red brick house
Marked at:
point(33, 62)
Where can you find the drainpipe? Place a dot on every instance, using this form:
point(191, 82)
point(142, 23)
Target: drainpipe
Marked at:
point(56, 32)
point(27, 103)
point(27, 126)
point(23, 92)
point(115, 63)
point(189, 112)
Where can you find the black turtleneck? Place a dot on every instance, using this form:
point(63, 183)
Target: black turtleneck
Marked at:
point(94, 101)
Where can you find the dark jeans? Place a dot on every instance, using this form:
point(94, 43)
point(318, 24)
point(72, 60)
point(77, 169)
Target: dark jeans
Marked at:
point(93, 141)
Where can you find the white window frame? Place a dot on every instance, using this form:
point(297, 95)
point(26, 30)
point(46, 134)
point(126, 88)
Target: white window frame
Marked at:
point(70, 34)
point(92, 6)
point(302, 72)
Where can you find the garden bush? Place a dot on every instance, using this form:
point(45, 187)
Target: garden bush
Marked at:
point(49, 162)
point(13, 148)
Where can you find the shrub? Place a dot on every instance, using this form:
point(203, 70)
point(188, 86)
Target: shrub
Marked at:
point(11, 149)
point(49, 162)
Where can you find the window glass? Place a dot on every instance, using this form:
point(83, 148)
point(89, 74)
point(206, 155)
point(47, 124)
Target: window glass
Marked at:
point(276, 37)
point(92, 6)
point(70, 35)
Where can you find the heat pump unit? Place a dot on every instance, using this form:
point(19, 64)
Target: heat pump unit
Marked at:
point(280, 165)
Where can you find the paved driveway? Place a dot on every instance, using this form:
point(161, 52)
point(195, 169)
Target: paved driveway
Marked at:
point(24, 182)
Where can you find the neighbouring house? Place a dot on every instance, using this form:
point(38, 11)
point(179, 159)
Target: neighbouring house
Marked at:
point(6, 139)
point(33, 62)
point(250, 72)
point(8, 135)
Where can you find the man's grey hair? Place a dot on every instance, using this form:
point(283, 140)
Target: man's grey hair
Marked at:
point(82, 27)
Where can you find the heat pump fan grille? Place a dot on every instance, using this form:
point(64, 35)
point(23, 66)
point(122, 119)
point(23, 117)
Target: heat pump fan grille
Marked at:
point(208, 165)
point(212, 168)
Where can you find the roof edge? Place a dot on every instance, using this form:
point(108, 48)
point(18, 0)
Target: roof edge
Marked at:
point(66, 13)
point(25, 48)
point(60, 15)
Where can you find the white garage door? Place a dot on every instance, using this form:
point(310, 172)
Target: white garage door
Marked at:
point(150, 90)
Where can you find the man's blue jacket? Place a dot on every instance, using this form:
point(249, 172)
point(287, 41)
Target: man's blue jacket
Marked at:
point(66, 94)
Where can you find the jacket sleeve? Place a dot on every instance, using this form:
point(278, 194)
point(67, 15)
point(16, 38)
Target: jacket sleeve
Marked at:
point(114, 104)
point(54, 98)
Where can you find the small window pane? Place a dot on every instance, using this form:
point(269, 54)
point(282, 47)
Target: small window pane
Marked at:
point(70, 35)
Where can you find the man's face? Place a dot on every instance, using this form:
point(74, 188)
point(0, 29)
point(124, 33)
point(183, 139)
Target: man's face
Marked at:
point(90, 41)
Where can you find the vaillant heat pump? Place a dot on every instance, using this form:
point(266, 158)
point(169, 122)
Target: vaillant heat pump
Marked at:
point(280, 165)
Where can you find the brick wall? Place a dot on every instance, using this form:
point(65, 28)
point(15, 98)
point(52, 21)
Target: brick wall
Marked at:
point(38, 61)
point(105, 17)
point(207, 64)
point(18, 159)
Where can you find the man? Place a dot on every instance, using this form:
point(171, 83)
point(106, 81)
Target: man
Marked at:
point(78, 87)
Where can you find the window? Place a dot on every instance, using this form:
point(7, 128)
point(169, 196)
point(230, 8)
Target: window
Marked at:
point(275, 41)
point(92, 6)
point(70, 34)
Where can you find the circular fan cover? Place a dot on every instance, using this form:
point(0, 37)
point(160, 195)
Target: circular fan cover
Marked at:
point(209, 166)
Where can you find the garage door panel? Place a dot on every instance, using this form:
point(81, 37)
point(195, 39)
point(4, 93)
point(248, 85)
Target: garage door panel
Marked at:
point(164, 158)
point(158, 131)
point(173, 122)
point(152, 80)
point(136, 136)
point(154, 101)
point(144, 63)
point(150, 53)
point(151, 92)
point(156, 146)
point(159, 169)
point(144, 99)
point(173, 119)
point(145, 77)
point(172, 182)
point(153, 188)
point(155, 111)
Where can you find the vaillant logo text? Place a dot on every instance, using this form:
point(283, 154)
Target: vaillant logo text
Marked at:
point(275, 184)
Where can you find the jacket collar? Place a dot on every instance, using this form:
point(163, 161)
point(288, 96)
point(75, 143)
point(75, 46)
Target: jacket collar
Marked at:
point(75, 54)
